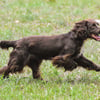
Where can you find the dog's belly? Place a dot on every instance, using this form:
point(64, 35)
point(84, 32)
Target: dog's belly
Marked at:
point(46, 48)
point(45, 53)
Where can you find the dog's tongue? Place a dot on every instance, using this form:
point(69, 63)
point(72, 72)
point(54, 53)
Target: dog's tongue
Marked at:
point(96, 37)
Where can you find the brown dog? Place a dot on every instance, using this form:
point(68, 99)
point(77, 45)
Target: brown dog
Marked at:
point(63, 50)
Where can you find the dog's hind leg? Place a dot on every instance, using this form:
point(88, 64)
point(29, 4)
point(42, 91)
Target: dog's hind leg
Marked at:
point(16, 62)
point(68, 63)
point(35, 70)
point(34, 64)
point(13, 68)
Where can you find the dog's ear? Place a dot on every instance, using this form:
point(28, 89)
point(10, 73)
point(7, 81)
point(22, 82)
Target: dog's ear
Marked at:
point(84, 22)
point(80, 28)
point(81, 24)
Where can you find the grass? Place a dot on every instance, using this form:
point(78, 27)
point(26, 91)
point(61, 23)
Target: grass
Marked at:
point(20, 18)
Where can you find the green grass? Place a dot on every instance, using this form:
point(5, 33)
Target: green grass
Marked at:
point(20, 18)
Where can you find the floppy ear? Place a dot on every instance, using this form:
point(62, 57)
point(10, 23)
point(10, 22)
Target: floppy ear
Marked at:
point(84, 22)
point(81, 24)
point(80, 28)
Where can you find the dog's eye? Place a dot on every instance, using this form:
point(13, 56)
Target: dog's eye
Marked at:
point(94, 25)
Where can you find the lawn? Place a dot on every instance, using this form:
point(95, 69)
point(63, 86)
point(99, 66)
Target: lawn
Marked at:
point(20, 18)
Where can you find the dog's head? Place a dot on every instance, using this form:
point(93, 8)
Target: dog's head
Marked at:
point(88, 29)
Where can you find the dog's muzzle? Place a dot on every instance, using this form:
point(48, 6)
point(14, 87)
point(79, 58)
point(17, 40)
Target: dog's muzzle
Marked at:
point(96, 37)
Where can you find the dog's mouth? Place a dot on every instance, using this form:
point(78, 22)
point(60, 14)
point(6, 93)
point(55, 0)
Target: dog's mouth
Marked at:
point(96, 37)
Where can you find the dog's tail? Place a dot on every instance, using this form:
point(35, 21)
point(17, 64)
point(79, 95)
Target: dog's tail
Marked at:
point(7, 44)
point(3, 69)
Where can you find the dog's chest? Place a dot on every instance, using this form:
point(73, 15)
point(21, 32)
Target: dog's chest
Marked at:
point(78, 48)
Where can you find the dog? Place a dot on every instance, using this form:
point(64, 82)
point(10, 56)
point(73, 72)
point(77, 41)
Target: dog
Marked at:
point(63, 50)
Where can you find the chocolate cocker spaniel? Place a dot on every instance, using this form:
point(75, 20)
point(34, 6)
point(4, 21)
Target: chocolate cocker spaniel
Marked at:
point(63, 50)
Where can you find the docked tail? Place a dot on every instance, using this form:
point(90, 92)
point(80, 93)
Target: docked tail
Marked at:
point(7, 44)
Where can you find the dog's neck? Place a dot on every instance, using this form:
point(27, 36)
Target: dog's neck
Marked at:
point(73, 35)
point(78, 35)
point(79, 38)
point(78, 41)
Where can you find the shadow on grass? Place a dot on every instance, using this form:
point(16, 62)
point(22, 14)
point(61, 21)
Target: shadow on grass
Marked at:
point(83, 79)
point(57, 80)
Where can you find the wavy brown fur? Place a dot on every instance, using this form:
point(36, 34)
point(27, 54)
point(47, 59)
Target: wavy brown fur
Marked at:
point(63, 50)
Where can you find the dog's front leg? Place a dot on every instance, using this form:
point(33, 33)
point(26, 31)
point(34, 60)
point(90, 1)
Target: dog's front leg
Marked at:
point(64, 61)
point(84, 62)
point(60, 60)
